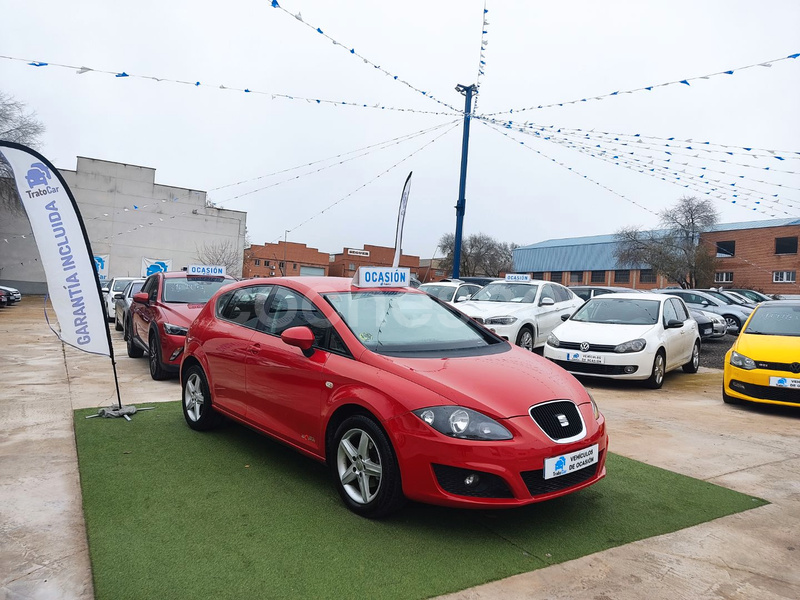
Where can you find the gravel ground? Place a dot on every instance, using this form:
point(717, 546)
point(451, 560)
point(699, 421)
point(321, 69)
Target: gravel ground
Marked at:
point(712, 352)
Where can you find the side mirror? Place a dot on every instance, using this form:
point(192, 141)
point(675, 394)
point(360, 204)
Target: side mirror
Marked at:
point(119, 296)
point(547, 302)
point(565, 317)
point(463, 298)
point(104, 290)
point(300, 337)
point(705, 303)
point(674, 324)
point(141, 298)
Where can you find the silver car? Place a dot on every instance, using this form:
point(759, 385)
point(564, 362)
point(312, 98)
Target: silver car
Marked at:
point(735, 314)
point(122, 303)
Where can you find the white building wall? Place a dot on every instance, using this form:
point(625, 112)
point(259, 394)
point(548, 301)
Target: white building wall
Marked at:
point(127, 217)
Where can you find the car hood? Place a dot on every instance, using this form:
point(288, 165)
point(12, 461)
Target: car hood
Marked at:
point(180, 314)
point(769, 348)
point(494, 309)
point(599, 333)
point(500, 385)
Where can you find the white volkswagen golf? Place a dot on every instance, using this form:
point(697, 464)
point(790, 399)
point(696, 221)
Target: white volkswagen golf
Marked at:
point(522, 310)
point(627, 336)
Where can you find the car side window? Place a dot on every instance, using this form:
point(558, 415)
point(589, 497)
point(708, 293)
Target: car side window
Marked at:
point(680, 309)
point(562, 293)
point(669, 313)
point(150, 287)
point(547, 292)
point(245, 306)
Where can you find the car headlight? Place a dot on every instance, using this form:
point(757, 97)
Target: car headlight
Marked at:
point(463, 423)
point(175, 329)
point(553, 341)
point(500, 320)
point(636, 345)
point(741, 361)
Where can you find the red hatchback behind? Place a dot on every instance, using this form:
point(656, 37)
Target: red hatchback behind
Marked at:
point(402, 395)
point(161, 314)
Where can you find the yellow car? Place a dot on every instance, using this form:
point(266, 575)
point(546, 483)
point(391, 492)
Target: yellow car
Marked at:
point(764, 363)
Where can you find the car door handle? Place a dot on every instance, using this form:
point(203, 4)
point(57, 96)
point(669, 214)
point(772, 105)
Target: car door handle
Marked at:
point(254, 348)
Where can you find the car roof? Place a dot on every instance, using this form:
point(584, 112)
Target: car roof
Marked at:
point(320, 285)
point(633, 296)
point(451, 283)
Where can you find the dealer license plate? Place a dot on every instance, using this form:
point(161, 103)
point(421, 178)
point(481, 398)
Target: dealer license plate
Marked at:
point(585, 358)
point(786, 382)
point(569, 463)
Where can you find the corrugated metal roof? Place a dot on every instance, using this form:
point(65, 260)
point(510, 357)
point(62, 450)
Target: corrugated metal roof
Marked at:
point(596, 252)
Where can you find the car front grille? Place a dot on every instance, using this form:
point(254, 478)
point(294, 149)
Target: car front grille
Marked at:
point(765, 392)
point(547, 415)
point(776, 366)
point(538, 485)
point(593, 369)
point(487, 485)
point(592, 347)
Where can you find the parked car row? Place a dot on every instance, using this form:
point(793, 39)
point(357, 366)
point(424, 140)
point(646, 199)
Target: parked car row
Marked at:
point(9, 296)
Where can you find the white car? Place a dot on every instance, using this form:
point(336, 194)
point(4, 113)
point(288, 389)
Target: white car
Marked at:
point(450, 290)
point(523, 312)
point(627, 336)
point(14, 295)
point(115, 286)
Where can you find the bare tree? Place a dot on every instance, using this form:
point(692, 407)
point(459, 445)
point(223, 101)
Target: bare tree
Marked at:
point(481, 254)
point(19, 125)
point(675, 250)
point(224, 253)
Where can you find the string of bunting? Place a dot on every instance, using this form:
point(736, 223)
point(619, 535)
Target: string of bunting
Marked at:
point(352, 51)
point(621, 160)
point(482, 57)
point(564, 166)
point(381, 146)
point(648, 88)
point(362, 186)
point(272, 95)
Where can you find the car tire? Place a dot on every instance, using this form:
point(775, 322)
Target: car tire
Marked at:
point(157, 371)
point(198, 409)
point(134, 351)
point(117, 324)
point(730, 399)
point(364, 468)
point(694, 361)
point(656, 379)
point(733, 323)
point(525, 338)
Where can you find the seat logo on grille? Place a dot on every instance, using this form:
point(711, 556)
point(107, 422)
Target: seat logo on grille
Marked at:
point(563, 420)
point(584, 346)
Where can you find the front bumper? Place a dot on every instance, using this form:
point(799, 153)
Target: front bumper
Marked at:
point(172, 351)
point(755, 385)
point(434, 467)
point(632, 365)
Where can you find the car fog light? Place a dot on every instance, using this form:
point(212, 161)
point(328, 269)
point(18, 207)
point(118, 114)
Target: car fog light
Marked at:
point(459, 421)
point(737, 385)
point(472, 480)
point(629, 369)
point(428, 417)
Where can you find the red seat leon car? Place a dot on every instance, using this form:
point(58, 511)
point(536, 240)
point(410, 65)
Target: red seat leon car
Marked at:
point(403, 396)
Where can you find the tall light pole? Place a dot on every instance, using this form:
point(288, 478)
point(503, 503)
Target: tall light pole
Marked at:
point(462, 201)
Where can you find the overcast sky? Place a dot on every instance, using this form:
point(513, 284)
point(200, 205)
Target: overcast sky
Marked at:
point(538, 53)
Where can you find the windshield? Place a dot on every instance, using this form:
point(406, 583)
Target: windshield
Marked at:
point(191, 290)
point(395, 322)
point(753, 295)
point(507, 292)
point(722, 297)
point(120, 285)
point(442, 292)
point(775, 320)
point(619, 311)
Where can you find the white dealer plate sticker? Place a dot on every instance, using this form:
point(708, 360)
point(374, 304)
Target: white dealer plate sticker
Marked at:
point(586, 358)
point(569, 463)
point(786, 382)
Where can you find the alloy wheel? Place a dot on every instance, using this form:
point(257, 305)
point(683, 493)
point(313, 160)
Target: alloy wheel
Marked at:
point(359, 466)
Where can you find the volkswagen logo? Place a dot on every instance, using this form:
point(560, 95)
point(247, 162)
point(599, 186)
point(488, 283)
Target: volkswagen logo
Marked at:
point(584, 346)
point(795, 367)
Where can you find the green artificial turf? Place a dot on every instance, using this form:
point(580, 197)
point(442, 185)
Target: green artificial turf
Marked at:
point(173, 513)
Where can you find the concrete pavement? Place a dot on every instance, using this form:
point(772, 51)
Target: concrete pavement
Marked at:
point(683, 427)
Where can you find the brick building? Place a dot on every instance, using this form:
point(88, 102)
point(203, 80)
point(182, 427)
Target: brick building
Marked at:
point(760, 255)
point(346, 262)
point(284, 259)
point(430, 269)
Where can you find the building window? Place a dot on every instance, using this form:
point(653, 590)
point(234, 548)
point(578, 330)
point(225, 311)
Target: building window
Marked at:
point(352, 266)
point(439, 273)
point(257, 262)
point(786, 245)
point(294, 266)
point(556, 276)
point(280, 265)
point(725, 249)
point(576, 276)
point(266, 263)
point(622, 276)
point(783, 276)
point(647, 276)
point(538, 275)
point(723, 277)
point(598, 276)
